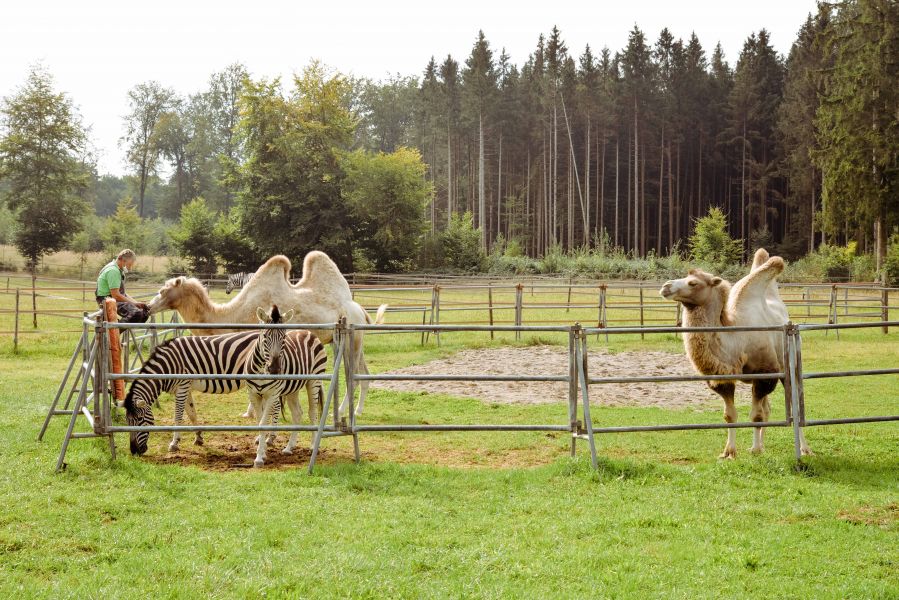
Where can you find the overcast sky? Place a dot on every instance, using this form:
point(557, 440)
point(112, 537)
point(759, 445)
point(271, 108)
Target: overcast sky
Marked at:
point(97, 50)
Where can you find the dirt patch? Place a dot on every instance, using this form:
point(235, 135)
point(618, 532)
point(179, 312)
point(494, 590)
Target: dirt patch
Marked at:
point(553, 360)
point(885, 517)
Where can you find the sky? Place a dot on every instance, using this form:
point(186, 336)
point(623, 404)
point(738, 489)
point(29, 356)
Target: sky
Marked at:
point(98, 50)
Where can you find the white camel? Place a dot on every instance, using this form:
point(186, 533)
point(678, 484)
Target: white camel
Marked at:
point(321, 296)
point(754, 300)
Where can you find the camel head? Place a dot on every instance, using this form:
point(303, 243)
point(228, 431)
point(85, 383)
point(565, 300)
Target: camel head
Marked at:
point(696, 289)
point(175, 292)
point(271, 341)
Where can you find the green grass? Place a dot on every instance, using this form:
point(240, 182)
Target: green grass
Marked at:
point(461, 514)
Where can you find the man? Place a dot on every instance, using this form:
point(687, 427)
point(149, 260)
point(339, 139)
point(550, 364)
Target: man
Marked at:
point(111, 281)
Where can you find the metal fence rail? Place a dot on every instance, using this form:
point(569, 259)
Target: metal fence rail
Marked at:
point(90, 386)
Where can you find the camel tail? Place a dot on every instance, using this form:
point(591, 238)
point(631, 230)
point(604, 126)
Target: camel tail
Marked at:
point(379, 317)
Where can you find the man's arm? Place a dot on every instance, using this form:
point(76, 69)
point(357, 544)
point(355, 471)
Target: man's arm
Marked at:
point(120, 297)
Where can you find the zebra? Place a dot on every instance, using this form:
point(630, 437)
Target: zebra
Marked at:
point(290, 353)
point(218, 354)
point(237, 281)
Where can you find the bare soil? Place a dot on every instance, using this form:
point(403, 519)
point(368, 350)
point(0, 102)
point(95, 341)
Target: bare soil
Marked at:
point(553, 360)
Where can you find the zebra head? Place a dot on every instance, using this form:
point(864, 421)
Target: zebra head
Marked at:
point(139, 412)
point(234, 281)
point(271, 340)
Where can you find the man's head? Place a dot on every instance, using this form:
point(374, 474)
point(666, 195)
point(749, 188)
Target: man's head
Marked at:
point(126, 258)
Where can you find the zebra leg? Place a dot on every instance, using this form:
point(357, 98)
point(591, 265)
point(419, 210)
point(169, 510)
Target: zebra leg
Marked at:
point(181, 393)
point(256, 403)
point(267, 406)
point(249, 414)
point(296, 414)
point(275, 417)
point(192, 415)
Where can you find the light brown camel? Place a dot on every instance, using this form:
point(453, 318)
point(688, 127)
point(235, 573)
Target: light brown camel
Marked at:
point(754, 300)
point(321, 296)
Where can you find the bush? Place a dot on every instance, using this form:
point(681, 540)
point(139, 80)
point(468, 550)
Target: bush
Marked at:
point(234, 249)
point(712, 245)
point(194, 237)
point(7, 225)
point(461, 245)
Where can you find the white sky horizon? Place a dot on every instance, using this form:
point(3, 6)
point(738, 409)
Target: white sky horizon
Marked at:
point(97, 50)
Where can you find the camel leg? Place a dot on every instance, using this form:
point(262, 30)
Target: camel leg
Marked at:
point(361, 367)
point(725, 389)
point(760, 411)
point(296, 414)
point(192, 415)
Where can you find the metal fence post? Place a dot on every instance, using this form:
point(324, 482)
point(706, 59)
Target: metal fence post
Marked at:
point(572, 388)
point(585, 394)
point(795, 384)
point(15, 334)
point(349, 361)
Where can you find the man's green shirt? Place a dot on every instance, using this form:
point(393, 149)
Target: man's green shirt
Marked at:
point(110, 279)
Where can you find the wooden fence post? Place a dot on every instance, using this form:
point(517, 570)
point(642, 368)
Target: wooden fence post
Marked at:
point(490, 306)
point(34, 297)
point(885, 308)
point(642, 335)
point(519, 292)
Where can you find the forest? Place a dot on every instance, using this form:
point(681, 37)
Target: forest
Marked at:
point(593, 150)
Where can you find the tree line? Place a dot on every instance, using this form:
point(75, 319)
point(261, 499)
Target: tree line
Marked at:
point(569, 150)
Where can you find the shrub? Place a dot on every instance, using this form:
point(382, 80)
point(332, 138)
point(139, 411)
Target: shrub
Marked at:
point(891, 263)
point(461, 245)
point(194, 237)
point(711, 244)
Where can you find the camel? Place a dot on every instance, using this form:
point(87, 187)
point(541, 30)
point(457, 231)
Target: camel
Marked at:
point(321, 296)
point(754, 300)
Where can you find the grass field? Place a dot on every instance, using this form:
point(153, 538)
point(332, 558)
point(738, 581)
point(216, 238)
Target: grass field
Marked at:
point(459, 515)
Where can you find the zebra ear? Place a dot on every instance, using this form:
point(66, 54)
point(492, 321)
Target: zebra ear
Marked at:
point(260, 314)
point(285, 317)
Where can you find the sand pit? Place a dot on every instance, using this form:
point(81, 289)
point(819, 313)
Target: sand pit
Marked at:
point(553, 360)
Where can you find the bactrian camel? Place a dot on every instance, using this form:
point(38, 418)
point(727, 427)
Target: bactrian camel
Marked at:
point(321, 296)
point(754, 300)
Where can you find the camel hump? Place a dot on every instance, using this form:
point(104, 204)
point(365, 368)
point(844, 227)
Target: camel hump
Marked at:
point(277, 263)
point(321, 272)
point(761, 257)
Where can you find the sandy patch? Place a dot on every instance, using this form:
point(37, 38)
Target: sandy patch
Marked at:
point(553, 360)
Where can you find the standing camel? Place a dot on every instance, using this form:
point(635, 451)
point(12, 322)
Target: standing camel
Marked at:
point(754, 300)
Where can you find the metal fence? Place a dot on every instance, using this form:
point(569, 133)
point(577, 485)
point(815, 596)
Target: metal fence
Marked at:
point(88, 385)
point(526, 302)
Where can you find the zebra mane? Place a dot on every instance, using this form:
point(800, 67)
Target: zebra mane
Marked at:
point(276, 314)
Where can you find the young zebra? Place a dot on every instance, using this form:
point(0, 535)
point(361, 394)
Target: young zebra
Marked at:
point(237, 281)
point(283, 352)
point(219, 354)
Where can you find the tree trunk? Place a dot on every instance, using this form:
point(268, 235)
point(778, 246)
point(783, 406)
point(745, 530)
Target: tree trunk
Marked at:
point(636, 215)
point(743, 190)
point(34, 292)
point(661, 193)
point(587, 186)
point(602, 193)
point(617, 148)
point(449, 175)
point(499, 185)
point(482, 212)
point(670, 205)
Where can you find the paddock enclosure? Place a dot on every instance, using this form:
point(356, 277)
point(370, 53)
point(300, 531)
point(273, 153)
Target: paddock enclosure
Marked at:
point(582, 316)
